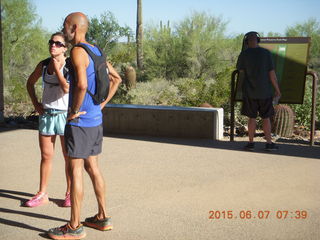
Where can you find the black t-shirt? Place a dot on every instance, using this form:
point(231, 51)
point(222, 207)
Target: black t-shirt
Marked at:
point(256, 64)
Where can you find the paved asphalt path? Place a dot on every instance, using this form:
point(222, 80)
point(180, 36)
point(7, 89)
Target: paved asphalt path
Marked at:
point(175, 189)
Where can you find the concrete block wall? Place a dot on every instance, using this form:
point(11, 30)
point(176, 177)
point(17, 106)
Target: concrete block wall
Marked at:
point(163, 121)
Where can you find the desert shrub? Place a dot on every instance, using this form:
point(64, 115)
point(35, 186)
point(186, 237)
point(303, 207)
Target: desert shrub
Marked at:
point(303, 111)
point(155, 92)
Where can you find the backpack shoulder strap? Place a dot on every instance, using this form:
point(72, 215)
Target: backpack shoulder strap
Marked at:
point(87, 49)
point(46, 62)
point(67, 68)
point(100, 50)
point(90, 53)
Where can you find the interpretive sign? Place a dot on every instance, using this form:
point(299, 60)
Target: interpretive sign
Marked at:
point(290, 56)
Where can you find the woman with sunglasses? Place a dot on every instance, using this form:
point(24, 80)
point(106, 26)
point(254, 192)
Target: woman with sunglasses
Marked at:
point(52, 113)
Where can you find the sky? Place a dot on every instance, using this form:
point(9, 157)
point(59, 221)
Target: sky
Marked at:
point(241, 15)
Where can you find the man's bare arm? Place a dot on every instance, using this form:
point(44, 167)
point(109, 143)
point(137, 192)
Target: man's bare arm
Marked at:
point(274, 81)
point(115, 80)
point(80, 62)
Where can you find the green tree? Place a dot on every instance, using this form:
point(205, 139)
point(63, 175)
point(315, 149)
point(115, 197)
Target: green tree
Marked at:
point(201, 36)
point(194, 48)
point(24, 45)
point(106, 32)
point(193, 58)
point(163, 53)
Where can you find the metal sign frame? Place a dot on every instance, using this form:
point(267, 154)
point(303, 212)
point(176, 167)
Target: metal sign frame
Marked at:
point(235, 86)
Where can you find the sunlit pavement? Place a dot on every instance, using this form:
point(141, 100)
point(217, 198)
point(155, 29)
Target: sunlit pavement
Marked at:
point(160, 188)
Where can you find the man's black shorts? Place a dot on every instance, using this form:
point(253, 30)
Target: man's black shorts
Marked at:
point(82, 142)
point(251, 108)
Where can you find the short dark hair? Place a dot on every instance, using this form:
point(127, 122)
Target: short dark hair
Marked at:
point(246, 36)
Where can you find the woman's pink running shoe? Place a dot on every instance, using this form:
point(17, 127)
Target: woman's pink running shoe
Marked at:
point(38, 200)
point(67, 201)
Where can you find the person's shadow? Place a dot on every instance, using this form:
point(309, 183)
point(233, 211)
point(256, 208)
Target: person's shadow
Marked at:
point(7, 194)
point(10, 194)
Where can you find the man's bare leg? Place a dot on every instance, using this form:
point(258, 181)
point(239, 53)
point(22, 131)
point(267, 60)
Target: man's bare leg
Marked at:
point(251, 128)
point(76, 174)
point(267, 129)
point(91, 166)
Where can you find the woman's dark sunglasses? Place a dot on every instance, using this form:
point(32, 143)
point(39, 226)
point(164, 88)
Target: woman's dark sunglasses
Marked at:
point(57, 43)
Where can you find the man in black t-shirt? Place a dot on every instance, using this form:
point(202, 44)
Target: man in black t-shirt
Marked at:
point(256, 67)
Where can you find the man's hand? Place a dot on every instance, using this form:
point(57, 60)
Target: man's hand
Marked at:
point(72, 116)
point(277, 94)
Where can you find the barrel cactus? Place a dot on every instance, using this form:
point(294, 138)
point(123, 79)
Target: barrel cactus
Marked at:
point(283, 121)
point(130, 77)
point(205, 105)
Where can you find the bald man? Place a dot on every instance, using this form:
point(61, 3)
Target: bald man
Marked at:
point(83, 132)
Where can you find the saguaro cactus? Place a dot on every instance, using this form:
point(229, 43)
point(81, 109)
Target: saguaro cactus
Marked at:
point(139, 36)
point(283, 121)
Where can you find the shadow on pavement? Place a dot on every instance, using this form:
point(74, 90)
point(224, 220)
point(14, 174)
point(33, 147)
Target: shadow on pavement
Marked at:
point(29, 214)
point(44, 235)
point(286, 147)
point(21, 225)
point(7, 194)
point(26, 226)
point(58, 202)
point(14, 128)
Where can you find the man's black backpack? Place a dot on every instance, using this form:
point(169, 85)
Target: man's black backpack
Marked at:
point(66, 70)
point(102, 75)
